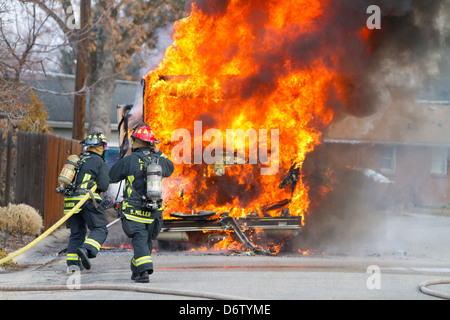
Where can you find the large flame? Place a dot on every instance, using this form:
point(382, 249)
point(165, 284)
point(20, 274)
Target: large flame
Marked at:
point(231, 69)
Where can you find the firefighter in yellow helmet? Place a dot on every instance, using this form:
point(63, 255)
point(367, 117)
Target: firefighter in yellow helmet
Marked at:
point(92, 170)
point(142, 212)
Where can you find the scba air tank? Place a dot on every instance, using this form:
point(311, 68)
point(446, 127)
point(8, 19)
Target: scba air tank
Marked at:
point(154, 182)
point(68, 172)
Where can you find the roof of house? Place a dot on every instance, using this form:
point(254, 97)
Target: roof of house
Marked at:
point(60, 106)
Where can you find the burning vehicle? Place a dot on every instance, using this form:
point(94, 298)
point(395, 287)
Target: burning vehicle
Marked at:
point(290, 68)
point(226, 80)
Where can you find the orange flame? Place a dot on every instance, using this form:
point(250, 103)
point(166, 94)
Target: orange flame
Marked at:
point(230, 71)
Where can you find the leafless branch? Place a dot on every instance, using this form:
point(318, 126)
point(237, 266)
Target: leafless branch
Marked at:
point(85, 90)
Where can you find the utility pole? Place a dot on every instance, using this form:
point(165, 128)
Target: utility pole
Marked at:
point(79, 109)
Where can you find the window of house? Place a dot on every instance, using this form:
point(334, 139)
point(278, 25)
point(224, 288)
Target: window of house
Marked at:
point(388, 159)
point(439, 161)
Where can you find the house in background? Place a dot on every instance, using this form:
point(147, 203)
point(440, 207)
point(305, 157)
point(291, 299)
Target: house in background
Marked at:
point(408, 142)
point(60, 106)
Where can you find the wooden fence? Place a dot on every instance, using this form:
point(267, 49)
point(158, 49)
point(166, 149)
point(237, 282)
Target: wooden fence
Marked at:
point(39, 161)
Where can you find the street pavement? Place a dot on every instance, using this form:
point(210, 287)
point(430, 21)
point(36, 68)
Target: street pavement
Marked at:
point(251, 277)
point(393, 272)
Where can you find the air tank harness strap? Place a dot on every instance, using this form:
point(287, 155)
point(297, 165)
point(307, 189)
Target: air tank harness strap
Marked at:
point(86, 191)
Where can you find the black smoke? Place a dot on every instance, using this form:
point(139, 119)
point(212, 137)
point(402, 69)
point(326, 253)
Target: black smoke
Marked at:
point(403, 53)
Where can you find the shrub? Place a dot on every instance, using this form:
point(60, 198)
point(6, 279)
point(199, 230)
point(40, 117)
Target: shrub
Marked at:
point(35, 120)
point(20, 218)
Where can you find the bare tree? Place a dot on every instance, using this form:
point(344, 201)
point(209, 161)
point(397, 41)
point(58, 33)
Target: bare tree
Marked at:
point(79, 108)
point(126, 28)
point(119, 29)
point(25, 36)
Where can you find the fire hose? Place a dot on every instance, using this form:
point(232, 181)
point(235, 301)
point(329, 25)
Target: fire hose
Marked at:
point(127, 288)
point(51, 230)
point(424, 288)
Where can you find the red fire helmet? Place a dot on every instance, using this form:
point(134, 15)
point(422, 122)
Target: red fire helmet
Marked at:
point(145, 134)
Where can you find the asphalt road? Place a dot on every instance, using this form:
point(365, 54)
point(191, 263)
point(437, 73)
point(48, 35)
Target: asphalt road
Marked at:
point(409, 250)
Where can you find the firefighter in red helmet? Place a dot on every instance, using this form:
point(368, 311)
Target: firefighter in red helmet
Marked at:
point(141, 215)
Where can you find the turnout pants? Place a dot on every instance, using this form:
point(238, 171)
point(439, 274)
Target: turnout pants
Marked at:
point(142, 235)
point(96, 221)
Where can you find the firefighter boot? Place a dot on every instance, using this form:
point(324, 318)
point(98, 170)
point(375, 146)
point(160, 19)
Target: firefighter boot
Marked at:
point(84, 257)
point(143, 277)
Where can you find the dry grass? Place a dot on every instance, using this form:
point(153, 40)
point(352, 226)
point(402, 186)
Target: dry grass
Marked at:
point(21, 220)
point(11, 265)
